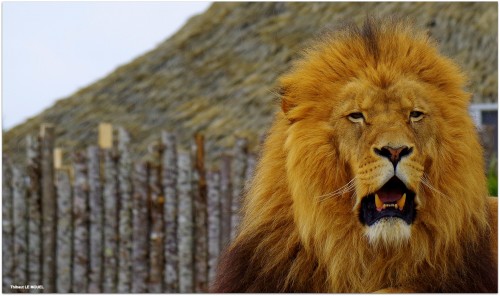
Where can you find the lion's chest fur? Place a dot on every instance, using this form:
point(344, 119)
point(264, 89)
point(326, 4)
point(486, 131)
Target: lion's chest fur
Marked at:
point(368, 270)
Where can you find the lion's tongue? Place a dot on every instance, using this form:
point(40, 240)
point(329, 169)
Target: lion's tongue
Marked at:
point(390, 196)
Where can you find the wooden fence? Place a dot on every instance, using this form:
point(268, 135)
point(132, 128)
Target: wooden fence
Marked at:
point(105, 223)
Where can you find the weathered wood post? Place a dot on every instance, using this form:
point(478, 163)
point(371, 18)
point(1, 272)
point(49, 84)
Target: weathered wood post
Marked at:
point(111, 198)
point(185, 224)
point(251, 163)
point(80, 225)
point(225, 199)
point(7, 226)
point(35, 211)
point(49, 206)
point(105, 135)
point(238, 181)
point(20, 227)
point(156, 234)
point(110, 222)
point(64, 231)
point(200, 215)
point(214, 222)
point(169, 183)
point(125, 227)
point(58, 155)
point(250, 170)
point(140, 229)
point(96, 220)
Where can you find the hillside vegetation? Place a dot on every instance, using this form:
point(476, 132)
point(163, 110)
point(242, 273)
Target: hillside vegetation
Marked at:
point(217, 75)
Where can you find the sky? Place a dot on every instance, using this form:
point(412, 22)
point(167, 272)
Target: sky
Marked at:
point(52, 49)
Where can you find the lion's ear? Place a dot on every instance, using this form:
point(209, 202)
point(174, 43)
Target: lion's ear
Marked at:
point(286, 103)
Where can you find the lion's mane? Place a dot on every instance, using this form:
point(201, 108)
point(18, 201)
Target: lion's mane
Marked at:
point(291, 242)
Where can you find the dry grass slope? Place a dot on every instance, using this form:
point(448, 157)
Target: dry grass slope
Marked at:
point(217, 74)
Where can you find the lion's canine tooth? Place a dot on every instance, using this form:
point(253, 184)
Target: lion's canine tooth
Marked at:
point(378, 203)
point(401, 201)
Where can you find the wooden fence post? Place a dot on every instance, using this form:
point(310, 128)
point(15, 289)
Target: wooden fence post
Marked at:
point(169, 183)
point(64, 231)
point(58, 155)
point(110, 197)
point(105, 134)
point(7, 227)
point(156, 234)
point(96, 220)
point(20, 227)
point(49, 206)
point(140, 229)
point(125, 224)
point(35, 211)
point(200, 215)
point(80, 225)
point(110, 205)
point(225, 199)
point(214, 222)
point(238, 181)
point(185, 223)
point(249, 173)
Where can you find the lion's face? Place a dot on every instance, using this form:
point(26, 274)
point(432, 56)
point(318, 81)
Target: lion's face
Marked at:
point(377, 142)
point(387, 137)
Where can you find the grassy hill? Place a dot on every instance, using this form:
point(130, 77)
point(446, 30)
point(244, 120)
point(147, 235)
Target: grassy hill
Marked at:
point(217, 74)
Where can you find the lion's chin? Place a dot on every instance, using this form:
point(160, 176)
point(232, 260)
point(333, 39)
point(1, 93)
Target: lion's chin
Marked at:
point(388, 232)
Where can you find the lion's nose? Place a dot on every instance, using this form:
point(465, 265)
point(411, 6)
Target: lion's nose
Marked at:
point(394, 154)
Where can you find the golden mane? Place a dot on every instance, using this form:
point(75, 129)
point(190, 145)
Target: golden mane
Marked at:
point(301, 230)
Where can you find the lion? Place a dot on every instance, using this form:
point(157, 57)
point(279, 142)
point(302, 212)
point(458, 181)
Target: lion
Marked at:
point(371, 178)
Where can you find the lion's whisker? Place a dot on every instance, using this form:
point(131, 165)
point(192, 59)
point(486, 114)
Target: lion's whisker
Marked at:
point(425, 181)
point(348, 187)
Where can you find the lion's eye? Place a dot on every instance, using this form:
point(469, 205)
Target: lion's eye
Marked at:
point(416, 115)
point(356, 117)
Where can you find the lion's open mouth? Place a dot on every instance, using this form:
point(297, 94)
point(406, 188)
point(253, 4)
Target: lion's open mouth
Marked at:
point(394, 199)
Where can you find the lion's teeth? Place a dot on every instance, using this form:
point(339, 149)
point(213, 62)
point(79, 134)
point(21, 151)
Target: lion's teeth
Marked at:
point(378, 203)
point(382, 206)
point(401, 201)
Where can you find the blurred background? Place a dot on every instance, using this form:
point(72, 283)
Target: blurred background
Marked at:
point(149, 71)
